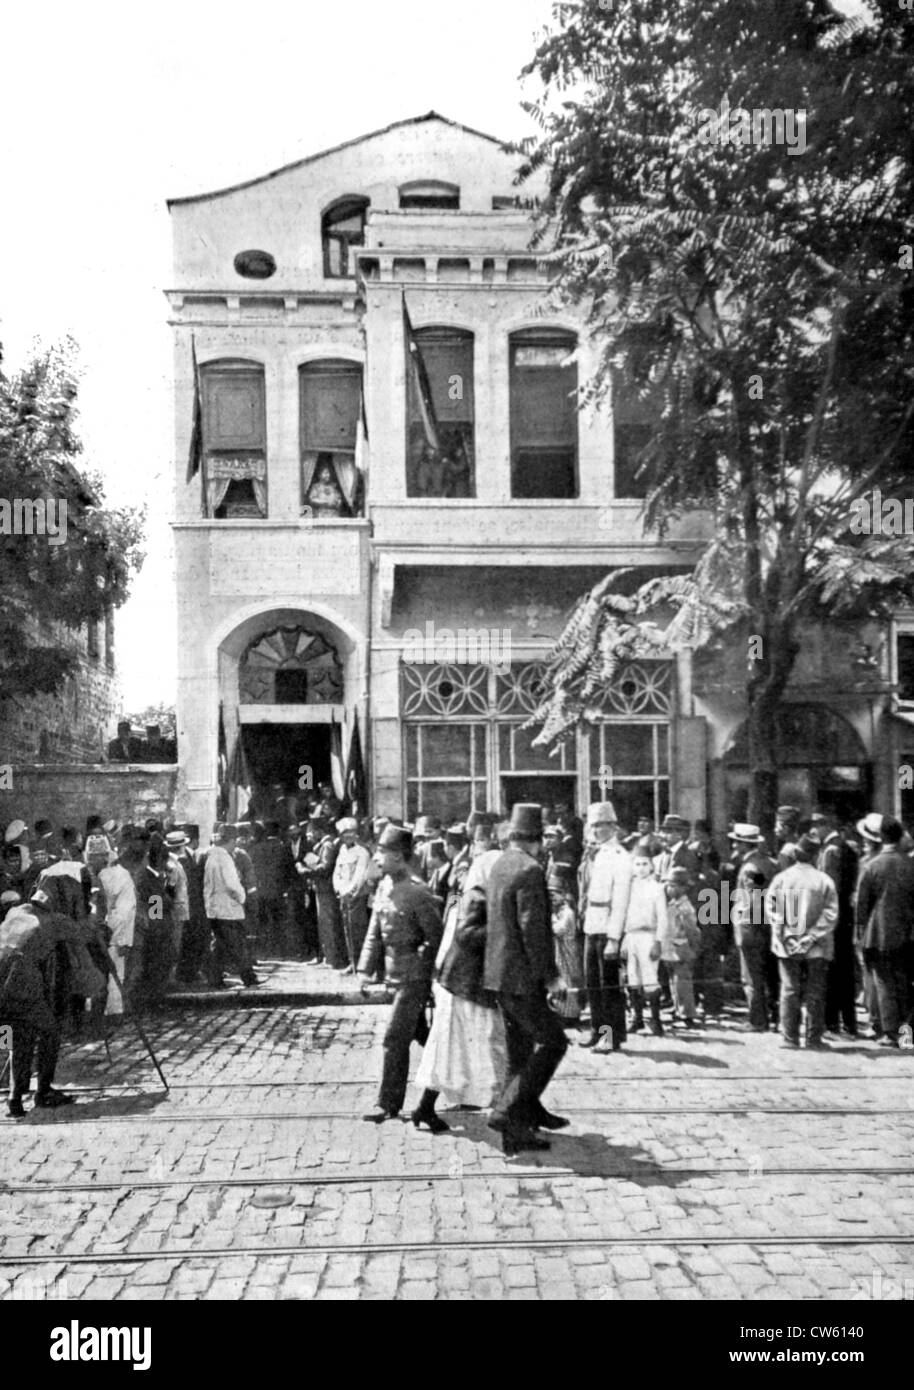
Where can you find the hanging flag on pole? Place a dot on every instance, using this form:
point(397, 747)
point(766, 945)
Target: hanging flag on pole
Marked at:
point(417, 381)
point(196, 433)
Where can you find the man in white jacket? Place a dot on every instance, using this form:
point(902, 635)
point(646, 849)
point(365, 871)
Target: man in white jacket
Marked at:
point(604, 909)
point(350, 883)
point(224, 897)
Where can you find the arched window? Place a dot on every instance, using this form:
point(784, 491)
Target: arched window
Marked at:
point(544, 417)
point(440, 452)
point(430, 193)
point(234, 439)
point(330, 394)
point(343, 227)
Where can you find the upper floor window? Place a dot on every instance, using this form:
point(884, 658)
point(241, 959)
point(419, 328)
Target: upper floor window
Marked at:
point(234, 439)
point(633, 429)
point(441, 453)
point(342, 228)
point(430, 193)
point(330, 394)
point(544, 417)
point(92, 642)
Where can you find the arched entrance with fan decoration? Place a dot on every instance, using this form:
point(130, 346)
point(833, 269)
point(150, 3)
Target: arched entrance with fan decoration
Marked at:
point(290, 682)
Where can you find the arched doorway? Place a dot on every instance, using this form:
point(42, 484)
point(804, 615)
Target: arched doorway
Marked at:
point(822, 759)
point(289, 686)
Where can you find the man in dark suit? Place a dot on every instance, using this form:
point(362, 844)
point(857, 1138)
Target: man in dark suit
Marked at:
point(839, 861)
point(125, 748)
point(885, 926)
point(519, 965)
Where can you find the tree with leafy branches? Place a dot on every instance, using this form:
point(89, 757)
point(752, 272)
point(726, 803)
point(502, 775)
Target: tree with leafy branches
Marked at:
point(51, 589)
point(758, 298)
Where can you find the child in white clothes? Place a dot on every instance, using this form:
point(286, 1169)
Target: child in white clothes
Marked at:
point(646, 941)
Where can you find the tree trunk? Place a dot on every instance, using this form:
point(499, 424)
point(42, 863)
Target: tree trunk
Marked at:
point(766, 682)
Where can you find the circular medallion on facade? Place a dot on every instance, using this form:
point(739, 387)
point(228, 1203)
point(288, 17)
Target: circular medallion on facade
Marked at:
point(255, 265)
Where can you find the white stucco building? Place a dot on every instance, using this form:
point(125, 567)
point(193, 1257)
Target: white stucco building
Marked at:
point(307, 562)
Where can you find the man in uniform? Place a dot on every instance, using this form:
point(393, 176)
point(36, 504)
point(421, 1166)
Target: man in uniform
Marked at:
point(603, 909)
point(519, 965)
point(406, 928)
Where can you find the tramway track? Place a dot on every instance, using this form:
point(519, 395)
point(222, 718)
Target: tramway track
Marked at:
point(654, 1171)
point(440, 1247)
point(588, 1077)
point(189, 1116)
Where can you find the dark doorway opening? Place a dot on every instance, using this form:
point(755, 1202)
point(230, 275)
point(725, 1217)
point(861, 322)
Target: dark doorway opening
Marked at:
point(293, 756)
point(544, 790)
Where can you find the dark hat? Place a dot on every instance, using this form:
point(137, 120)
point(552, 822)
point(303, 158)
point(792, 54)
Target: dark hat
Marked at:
point(562, 869)
point(673, 822)
point(527, 820)
point(397, 838)
point(788, 813)
point(478, 818)
point(807, 848)
point(643, 848)
point(43, 827)
point(456, 835)
point(678, 874)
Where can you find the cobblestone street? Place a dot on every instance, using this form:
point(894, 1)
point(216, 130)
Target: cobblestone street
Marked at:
point(701, 1166)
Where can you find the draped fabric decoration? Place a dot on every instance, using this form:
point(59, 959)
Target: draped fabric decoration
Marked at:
point(239, 781)
point(220, 472)
point(336, 758)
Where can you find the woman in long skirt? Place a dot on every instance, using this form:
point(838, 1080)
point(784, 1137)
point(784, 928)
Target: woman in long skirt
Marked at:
point(464, 1060)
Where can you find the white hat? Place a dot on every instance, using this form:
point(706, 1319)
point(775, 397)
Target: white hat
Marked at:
point(871, 827)
point(347, 823)
point(601, 813)
point(14, 830)
point(745, 834)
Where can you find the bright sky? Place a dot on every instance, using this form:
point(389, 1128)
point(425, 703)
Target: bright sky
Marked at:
point(107, 109)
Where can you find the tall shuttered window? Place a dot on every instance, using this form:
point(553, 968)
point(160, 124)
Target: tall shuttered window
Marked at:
point(544, 418)
point(234, 440)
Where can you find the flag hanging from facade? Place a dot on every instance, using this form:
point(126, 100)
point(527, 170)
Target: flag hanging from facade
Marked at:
point(196, 433)
point(418, 383)
point(355, 774)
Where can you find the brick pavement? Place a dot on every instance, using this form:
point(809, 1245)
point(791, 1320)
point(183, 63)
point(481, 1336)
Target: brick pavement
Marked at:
point(665, 1186)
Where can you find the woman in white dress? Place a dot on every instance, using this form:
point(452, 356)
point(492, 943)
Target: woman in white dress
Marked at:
point(464, 1060)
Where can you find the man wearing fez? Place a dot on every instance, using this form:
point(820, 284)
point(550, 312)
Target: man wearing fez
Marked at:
point(519, 966)
point(350, 886)
point(406, 928)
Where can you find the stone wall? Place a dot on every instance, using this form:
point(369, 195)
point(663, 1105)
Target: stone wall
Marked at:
point(70, 726)
point(66, 793)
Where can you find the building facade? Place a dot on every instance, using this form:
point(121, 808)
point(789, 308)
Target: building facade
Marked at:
point(394, 501)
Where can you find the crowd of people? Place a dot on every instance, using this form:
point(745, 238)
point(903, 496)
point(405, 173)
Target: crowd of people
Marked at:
point(499, 938)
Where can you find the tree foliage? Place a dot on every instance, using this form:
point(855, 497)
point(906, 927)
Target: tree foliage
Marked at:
point(759, 300)
point(50, 590)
